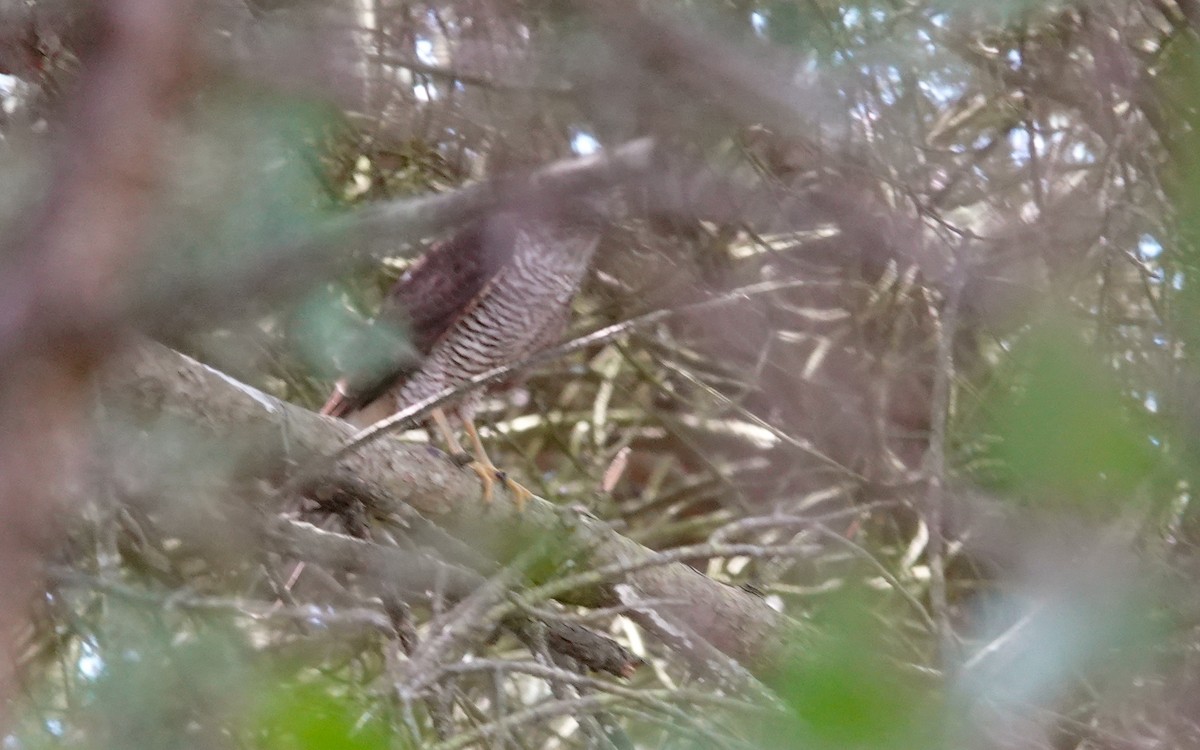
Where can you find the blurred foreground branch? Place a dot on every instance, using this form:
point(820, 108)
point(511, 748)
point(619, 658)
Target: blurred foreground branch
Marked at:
point(383, 229)
point(61, 278)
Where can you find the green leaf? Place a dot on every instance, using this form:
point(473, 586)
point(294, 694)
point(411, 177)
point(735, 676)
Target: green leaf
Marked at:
point(316, 716)
point(849, 691)
point(1064, 426)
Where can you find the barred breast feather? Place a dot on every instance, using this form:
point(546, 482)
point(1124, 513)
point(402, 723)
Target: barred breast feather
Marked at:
point(523, 303)
point(495, 293)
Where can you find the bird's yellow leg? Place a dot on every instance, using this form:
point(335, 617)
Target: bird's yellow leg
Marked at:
point(444, 429)
point(488, 472)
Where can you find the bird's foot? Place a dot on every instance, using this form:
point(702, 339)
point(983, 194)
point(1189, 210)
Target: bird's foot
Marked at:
point(462, 458)
point(489, 475)
point(520, 494)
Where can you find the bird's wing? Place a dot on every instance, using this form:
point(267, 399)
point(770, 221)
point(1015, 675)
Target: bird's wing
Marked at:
point(426, 303)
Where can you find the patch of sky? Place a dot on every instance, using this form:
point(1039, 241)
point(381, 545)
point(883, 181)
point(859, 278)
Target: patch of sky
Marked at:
point(424, 48)
point(1018, 140)
point(851, 17)
point(54, 727)
point(9, 98)
point(863, 112)
point(1058, 121)
point(1151, 403)
point(425, 92)
point(940, 91)
point(1082, 154)
point(90, 663)
point(1149, 247)
point(939, 20)
point(584, 143)
point(1177, 281)
point(758, 22)
point(982, 142)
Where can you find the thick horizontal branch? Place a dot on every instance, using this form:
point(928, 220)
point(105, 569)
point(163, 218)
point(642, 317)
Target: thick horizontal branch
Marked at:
point(393, 477)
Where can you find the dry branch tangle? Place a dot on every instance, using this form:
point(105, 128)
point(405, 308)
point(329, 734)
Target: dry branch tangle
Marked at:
point(392, 477)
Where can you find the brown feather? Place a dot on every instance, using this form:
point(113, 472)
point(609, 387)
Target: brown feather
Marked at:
point(426, 303)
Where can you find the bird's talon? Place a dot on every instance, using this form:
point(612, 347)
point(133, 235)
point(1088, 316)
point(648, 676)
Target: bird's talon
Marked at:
point(487, 477)
point(520, 494)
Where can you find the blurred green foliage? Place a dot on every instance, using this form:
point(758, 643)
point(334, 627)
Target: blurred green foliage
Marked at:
point(315, 716)
point(1179, 97)
point(1066, 430)
point(849, 690)
point(161, 678)
point(333, 339)
point(248, 175)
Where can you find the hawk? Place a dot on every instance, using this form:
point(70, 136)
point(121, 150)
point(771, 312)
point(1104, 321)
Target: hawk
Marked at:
point(492, 295)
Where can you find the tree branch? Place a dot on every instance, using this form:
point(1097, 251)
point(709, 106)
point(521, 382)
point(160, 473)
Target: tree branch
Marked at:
point(392, 572)
point(394, 478)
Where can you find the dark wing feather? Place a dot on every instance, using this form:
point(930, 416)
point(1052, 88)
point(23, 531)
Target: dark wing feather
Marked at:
point(426, 303)
point(443, 285)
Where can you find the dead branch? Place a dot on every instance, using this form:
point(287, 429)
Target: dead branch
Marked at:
point(394, 573)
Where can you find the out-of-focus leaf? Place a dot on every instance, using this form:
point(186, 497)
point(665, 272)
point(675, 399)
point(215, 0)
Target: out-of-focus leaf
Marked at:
point(153, 688)
point(1179, 87)
point(335, 341)
point(247, 176)
point(1097, 617)
point(848, 691)
point(1064, 427)
point(317, 716)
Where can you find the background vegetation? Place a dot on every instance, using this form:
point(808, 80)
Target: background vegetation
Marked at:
point(919, 405)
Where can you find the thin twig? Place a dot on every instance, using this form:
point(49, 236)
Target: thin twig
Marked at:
point(935, 464)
